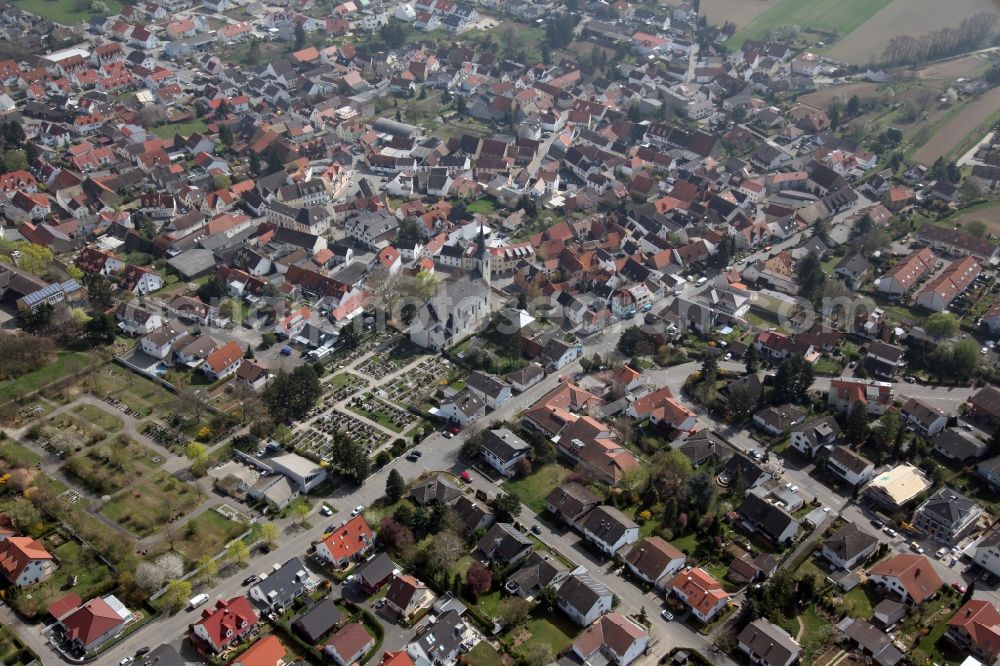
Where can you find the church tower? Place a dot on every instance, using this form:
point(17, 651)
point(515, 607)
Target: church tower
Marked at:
point(483, 256)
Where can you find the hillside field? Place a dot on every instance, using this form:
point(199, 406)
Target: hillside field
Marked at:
point(837, 16)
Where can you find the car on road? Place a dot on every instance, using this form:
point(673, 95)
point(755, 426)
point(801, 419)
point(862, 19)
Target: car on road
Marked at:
point(414, 455)
point(141, 651)
point(667, 615)
point(454, 430)
point(958, 587)
point(358, 510)
point(447, 434)
point(250, 580)
point(286, 351)
point(466, 476)
point(728, 356)
point(967, 427)
point(941, 552)
point(876, 523)
point(890, 532)
point(916, 548)
point(910, 379)
point(126, 661)
point(535, 529)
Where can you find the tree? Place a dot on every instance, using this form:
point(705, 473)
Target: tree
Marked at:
point(538, 654)
point(226, 137)
point(269, 533)
point(208, 567)
point(856, 424)
point(198, 456)
point(350, 457)
point(941, 325)
point(100, 291)
point(300, 508)
point(445, 549)
point(834, 114)
point(513, 611)
point(100, 330)
point(395, 486)
point(853, 106)
point(507, 507)
point(975, 228)
point(633, 342)
point(238, 552)
point(472, 446)
point(478, 580)
point(394, 535)
point(965, 358)
point(969, 591)
point(170, 564)
point(148, 576)
point(14, 160)
point(702, 491)
point(300, 36)
point(290, 396)
point(177, 594)
point(792, 381)
point(669, 473)
point(811, 276)
point(752, 359)
point(37, 320)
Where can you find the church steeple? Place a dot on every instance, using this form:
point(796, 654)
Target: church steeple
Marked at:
point(482, 255)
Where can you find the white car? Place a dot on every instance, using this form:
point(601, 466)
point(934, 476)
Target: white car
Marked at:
point(326, 510)
point(358, 510)
point(126, 661)
point(447, 435)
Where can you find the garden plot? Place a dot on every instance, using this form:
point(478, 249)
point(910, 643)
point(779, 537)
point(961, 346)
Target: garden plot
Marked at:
point(416, 384)
point(386, 415)
point(64, 435)
point(111, 466)
point(164, 435)
point(379, 367)
point(156, 502)
point(367, 345)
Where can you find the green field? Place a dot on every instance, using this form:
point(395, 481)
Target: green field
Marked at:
point(99, 417)
point(148, 506)
point(184, 129)
point(16, 455)
point(66, 363)
point(67, 12)
point(534, 488)
point(207, 534)
point(839, 16)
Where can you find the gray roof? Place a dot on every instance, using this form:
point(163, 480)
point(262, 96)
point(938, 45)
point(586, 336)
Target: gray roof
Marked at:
point(768, 641)
point(193, 262)
point(504, 543)
point(607, 523)
point(435, 489)
point(443, 640)
point(949, 507)
point(376, 569)
point(849, 542)
point(504, 444)
point(956, 444)
point(286, 583)
point(486, 384)
point(770, 519)
point(318, 620)
point(537, 572)
point(581, 591)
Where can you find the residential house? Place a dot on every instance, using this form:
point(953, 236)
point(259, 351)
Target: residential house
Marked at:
point(268, 651)
point(849, 546)
point(346, 544)
point(407, 595)
point(24, 561)
point(874, 396)
point(779, 419)
point(851, 467)
point(769, 520)
point(613, 638)
point(349, 644)
point(490, 390)
point(975, 630)
point(320, 619)
point(883, 359)
point(700, 592)
point(283, 585)
point(925, 418)
point(946, 286)
point(538, 572)
point(958, 445)
point(911, 577)
point(815, 434)
point(897, 487)
point(434, 490)
point(503, 450)
point(223, 361)
point(947, 515)
point(987, 553)
point(768, 644)
point(89, 626)
point(473, 514)
point(609, 529)
point(984, 405)
point(462, 408)
point(375, 573)
point(653, 559)
point(582, 598)
point(503, 543)
point(442, 643)
point(660, 407)
point(570, 502)
point(225, 623)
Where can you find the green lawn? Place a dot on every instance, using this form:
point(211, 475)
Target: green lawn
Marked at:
point(534, 488)
point(483, 206)
point(859, 602)
point(937, 649)
point(93, 578)
point(827, 366)
point(18, 456)
point(184, 129)
point(137, 392)
point(483, 654)
point(490, 604)
point(840, 17)
point(555, 631)
point(101, 418)
point(64, 11)
point(207, 534)
point(65, 363)
point(147, 507)
point(687, 543)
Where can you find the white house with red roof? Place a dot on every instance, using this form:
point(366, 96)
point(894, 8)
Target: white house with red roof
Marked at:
point(225, 623)
point(612, 638)
point(975, 630)
point(346, 544)
point(660, 406)
point(93, 623)
point(911, 577)
point(24, 561)
point(293, 323)
point(223, 361)
point(349, 644)
point(845, 393)
point(700, 592)
point(390, 259)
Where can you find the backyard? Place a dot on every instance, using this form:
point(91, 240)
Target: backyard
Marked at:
point(74, 560)
point(534, 488)
point(207, 534)
point(554, 631)
point(155, 502)
point(186, 128)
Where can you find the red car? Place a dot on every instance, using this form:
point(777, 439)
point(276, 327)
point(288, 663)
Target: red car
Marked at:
point(454, 430)
point(465, 476)
point(958, 587)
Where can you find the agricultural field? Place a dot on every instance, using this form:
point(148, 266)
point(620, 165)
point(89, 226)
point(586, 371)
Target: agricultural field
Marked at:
point(738, 12)
point(65, 364)
point(67, 12)
point(822, 15)
point(865, 42)
point(148, 506)
point(950, 135)
point(989, 215)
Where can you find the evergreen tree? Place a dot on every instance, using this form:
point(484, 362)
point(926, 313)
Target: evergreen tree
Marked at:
point(395, 486)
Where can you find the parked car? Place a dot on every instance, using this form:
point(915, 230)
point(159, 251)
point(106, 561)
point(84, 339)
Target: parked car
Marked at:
point(667, 615)
point(141, 651)
point(891, 532)
point(250, 580)
point(466, 476)
point(326, 510)
point(958, 587)
point(535, 529)
point(941, 552)
point(916, 548)
point(876, 523)
point(358, 510)
point(454, 430)
point(413, 456)
point(447, 434)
